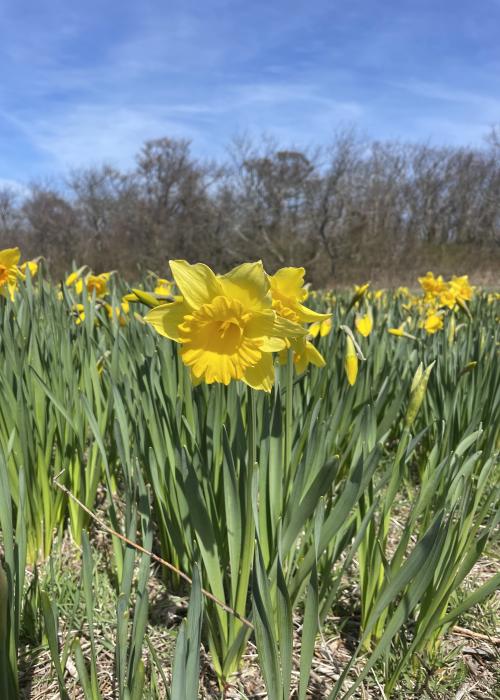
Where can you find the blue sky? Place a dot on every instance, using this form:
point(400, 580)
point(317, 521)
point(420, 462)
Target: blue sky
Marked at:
point(87, 82)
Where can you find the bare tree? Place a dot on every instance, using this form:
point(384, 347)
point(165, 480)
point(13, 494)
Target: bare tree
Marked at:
point(350, 210)
point(10, 219)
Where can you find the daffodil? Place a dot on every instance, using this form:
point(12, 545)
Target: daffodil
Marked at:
point(461, 288)
point(320, 328)
point(432, 286)
point(351, 361)
point(119, 312)
point(359, 292)
point(433, 323)
point(94, 284)
point(163, 287)
point(288, 293)
point(97, 284)
point(9, 271)
point(361, 289)
point(225, 325)
point(78, 313)
point(31, 265)
point(364, 324)
point(303, 354)
point(448, 298)
point(75, 279)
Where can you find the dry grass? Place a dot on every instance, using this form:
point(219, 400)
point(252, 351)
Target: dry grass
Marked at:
point(467, 665)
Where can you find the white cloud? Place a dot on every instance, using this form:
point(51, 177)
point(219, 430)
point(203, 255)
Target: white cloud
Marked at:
point(205, 76)
point(92, 134)
point(486, 103)
point(455, 132)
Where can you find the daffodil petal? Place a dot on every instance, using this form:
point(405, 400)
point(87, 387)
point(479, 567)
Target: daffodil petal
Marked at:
point(314, 330)
point(289, 281)
point(308, 315)
point(10, 257)
point(260, 324)
point(197, 283)
point(261, 375)
point(272, 345)
point(167, 318)
point(283, 328)
point(364, 325)
point(314, 356)
point(249, 284)
point(325, 327)
point(30, 265)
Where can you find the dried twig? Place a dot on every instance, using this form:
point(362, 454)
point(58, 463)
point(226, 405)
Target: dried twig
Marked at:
point(156, 558)
point(464, 632)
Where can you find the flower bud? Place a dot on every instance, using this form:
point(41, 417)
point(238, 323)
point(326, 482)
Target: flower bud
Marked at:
point(351, 361)
point(417, 392)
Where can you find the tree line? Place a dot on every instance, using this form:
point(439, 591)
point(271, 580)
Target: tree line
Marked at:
point(349, 211)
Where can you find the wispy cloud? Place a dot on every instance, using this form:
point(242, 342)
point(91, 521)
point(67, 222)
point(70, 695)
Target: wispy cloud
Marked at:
point(92, 134)
point(83, 84)
point(446, 93)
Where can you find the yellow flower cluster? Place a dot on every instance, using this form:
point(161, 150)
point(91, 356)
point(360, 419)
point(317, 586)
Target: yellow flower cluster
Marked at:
point(439, 296)
point(229, 326)
point(81, 281)
point(11, 273)
point(450, 293)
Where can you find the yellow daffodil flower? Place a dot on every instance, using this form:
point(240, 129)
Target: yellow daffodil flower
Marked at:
point(447, 298)
point(351, 361)
point(433, 323)
point(72, 278)
point(75, 279)
point(364, 324)
point(118, 312)
point(78, 312)
point(225, 325)
point(320, 328)
point(359, 292)
point(288, 293)
point(9, 272)
point(361, 289)
point(163, 287)
point(92, 283)
point(432, 286)
point(31, 265)
point(98, 284)
point(304, 353)
point(461, 288)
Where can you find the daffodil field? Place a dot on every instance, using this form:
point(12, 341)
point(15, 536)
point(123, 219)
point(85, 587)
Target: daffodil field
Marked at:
point(311, 470)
